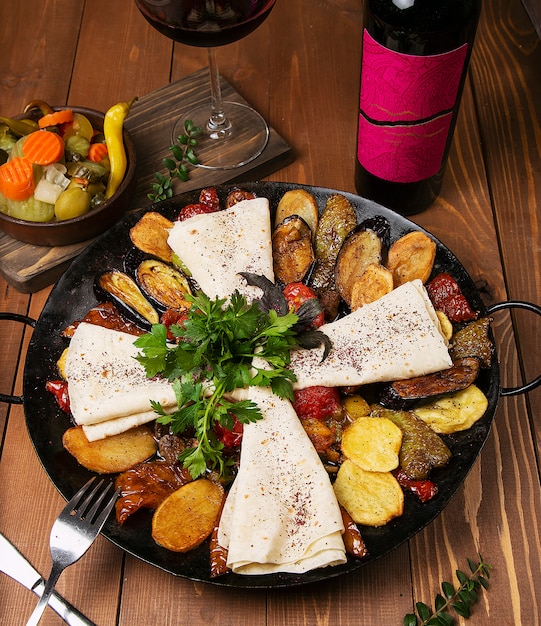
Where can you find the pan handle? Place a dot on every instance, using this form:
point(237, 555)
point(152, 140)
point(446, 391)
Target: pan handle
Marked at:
point(517, 304)
point(24, 319)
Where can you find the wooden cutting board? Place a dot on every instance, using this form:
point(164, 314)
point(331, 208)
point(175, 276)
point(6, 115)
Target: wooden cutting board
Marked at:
point(30, 268)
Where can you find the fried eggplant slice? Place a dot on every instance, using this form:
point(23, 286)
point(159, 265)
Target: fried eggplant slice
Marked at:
point(361, 248)
point(336, 222)
point(402, 394)
point(292, 249)
point(422, 449)
point(164, 284)
point(123, 291)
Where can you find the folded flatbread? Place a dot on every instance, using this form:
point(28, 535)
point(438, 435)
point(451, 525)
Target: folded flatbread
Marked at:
point(217, 246)
point(107, 386)
point(395, 337)
point(281, 514)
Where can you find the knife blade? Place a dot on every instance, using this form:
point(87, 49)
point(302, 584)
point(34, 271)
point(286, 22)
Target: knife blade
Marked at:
point(15, 565)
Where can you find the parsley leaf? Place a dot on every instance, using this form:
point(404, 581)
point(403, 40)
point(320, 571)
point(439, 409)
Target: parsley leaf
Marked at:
point(213, 355)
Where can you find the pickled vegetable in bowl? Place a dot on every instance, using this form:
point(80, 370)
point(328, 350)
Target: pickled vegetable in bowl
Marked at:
point(56, 181)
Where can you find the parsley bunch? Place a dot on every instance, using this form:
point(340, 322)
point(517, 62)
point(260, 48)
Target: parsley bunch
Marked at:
point(213, 356)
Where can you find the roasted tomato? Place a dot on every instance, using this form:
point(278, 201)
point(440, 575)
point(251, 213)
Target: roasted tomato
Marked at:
point(446, 296)
point(59, 389)
point(297, 294)
point(170, 317)
point(230, 438)
point(208, 203)
point(318, 403)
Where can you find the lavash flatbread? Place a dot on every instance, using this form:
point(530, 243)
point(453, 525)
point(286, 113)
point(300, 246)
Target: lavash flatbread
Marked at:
point(106, 382)
point(281, 514)
point(217, 246)
point(393, 338)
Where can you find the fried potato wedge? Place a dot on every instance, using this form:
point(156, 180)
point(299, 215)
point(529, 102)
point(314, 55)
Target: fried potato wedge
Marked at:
point(372, 443)
point(371, 498)
point(298, 202)
point(356, 406)
point(111, 455)
point(456, 412)
point(61, 363)
point(375, 282)
point(186, 517)
point(150, 234)
point(411, 257)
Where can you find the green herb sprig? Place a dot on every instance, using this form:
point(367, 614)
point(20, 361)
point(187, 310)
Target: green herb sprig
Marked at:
point(460, 599)
point(183, 152)
point(216, 346)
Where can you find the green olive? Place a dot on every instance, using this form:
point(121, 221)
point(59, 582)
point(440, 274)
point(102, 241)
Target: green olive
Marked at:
point(72, 203)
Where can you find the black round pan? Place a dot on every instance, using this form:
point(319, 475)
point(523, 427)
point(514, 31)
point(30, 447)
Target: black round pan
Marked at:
point(73, 296)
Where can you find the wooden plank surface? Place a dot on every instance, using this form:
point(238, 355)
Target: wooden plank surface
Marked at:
point(30, 268)
point(300, 69)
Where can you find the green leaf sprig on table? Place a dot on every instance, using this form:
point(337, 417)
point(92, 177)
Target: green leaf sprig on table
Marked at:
point(183, 152)
point(212, 357)
point(460, 599)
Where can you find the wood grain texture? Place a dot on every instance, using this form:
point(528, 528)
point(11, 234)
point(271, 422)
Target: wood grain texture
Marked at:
point(301, 70)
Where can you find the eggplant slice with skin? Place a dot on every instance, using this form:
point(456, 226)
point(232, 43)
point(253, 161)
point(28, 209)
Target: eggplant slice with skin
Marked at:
point(362, 248)
point(164, 284)
point(292, 250)
point(120, 289)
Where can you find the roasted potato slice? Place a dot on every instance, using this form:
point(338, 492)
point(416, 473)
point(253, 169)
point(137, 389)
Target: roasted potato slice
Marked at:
point(371, 498)
point(117, 453)
point(422, 449)
point(298, 202)
point(186, 517)
point(292, 249)
point(150, 235)
point(411, 257)
point(61, 363)
point(372, 443)
point(356, 406)
point(456, 412)
point(375, 282)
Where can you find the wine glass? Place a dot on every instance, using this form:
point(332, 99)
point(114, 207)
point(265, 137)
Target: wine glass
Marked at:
point(233, 133)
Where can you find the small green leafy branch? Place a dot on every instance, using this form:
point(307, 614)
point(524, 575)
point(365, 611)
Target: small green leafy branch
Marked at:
point(183, 152)
point(460, 599)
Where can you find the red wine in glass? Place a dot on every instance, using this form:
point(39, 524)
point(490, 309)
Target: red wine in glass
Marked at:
point(234, 134)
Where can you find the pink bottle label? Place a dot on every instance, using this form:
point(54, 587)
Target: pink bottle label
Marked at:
point(397, 88)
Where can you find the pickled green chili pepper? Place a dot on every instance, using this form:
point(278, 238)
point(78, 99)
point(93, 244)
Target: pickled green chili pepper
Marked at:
point(112, 129)
point(19, 127)
point(38, 104)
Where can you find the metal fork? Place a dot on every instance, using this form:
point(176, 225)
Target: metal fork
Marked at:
point(74, 531)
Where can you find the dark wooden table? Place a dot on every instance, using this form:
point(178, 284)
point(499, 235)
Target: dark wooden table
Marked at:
point(300, 70)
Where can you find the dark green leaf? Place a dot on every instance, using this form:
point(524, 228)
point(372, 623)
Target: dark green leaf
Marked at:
point(439, 602)
point(448, 590)
point(462, 578)
point(423, 610)
point(483, 582)
point(461, 609)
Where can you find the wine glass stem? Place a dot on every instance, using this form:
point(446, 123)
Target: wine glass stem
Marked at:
point(219, 126)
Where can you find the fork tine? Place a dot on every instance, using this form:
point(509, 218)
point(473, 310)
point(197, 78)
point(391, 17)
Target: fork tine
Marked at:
point(76, 499)
point(81, 509)
point(92, 512)
point(107, 509)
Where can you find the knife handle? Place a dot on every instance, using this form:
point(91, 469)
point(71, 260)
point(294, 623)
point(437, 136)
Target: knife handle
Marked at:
point(66, 611)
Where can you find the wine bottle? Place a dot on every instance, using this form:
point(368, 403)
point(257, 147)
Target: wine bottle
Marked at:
point(414, 63)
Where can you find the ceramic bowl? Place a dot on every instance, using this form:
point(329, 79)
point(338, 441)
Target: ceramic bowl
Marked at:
point(84, 227)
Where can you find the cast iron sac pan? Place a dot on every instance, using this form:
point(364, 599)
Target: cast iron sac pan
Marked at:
point(73, 296)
